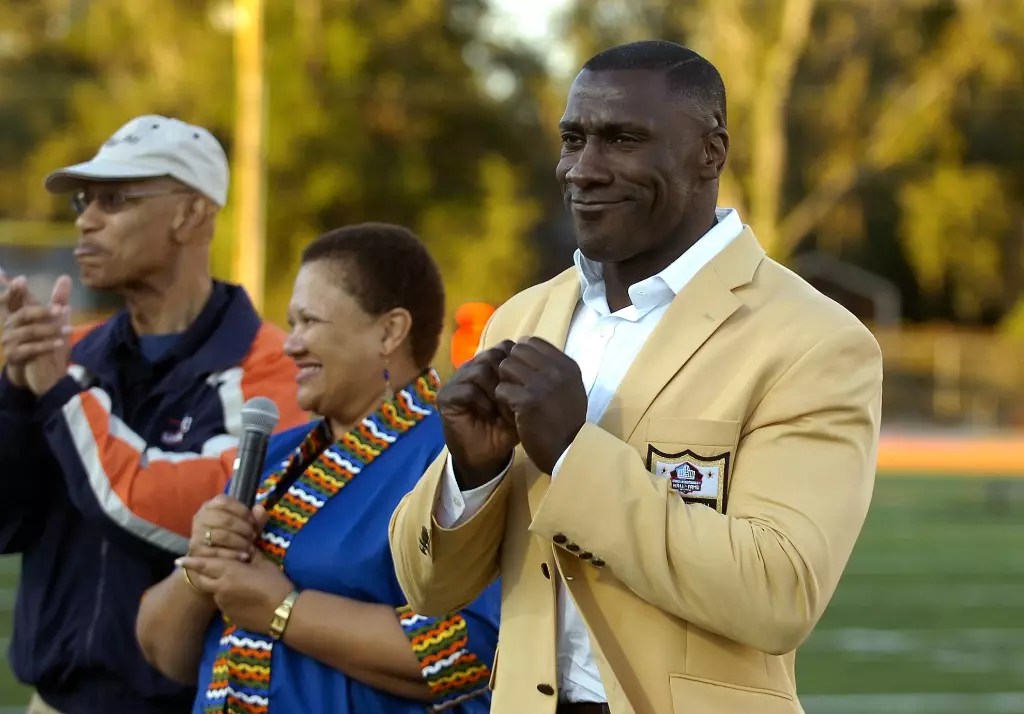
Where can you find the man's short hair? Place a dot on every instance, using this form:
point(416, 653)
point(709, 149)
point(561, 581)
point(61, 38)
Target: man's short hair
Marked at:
point(688, 74)
point(384, 266)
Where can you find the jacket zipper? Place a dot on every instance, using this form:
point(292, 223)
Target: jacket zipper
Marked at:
point(101, 584)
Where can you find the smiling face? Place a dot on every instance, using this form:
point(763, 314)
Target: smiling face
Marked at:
point(335, 344)
point(632, 159)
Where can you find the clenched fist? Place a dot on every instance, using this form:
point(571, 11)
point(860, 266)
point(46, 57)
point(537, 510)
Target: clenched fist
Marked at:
point(479, 434)
point(542, 387)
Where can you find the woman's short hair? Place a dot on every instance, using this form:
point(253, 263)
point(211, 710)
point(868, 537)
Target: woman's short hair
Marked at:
point(384, 266)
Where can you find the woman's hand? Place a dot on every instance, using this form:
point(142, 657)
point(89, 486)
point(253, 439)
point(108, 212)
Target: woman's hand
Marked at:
point(247, 593)
point(224, 528)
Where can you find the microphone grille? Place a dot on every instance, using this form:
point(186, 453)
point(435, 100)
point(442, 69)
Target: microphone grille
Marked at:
point(260, 414)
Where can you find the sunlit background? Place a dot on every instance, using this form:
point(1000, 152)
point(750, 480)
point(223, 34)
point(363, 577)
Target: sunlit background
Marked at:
point(877, 150)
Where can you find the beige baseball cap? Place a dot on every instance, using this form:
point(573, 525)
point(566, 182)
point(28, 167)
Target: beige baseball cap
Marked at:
point(152, 146)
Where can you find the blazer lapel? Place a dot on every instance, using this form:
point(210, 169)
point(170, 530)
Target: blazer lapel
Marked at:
point(553, 326)
point(555, 316)
point(697, 311)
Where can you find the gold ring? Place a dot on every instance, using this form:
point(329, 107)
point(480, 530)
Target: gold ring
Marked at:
point(208, 539)
point(188, 580)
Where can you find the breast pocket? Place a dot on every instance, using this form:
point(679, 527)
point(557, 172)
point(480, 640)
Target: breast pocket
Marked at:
point(695, 455)
point(694, 695)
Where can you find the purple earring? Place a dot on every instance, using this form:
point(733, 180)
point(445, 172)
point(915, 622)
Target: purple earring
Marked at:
point(389, 393)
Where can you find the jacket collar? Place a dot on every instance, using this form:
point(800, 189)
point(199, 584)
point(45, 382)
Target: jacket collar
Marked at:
point(219, 337)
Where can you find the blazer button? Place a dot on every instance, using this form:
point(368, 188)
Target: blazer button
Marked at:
point(544, 569)
point(597, 563)
point(546, 689)
point(586, 555)
point(572, 548)
point(559, 538)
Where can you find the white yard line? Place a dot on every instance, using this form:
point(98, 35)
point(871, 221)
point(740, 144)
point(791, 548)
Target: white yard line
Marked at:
point(898, 565)
point(974, 594)
point(979, 650)
point(913, 703)
point(883, 640)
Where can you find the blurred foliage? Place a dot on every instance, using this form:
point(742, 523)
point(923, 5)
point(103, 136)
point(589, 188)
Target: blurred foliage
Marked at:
point(374, 113)
point(885, 133)
point(958, 211)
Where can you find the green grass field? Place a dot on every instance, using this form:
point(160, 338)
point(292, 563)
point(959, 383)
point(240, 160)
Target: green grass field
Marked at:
point(929, 617)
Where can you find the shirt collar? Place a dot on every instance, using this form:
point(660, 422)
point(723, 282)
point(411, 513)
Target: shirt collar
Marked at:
point(658, 290)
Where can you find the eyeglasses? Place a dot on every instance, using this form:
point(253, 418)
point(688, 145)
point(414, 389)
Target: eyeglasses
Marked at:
point(112, 200)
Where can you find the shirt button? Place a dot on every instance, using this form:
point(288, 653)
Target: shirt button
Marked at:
point(572, 548)
point(559, 538)
point(546, 689)
point(597, 563)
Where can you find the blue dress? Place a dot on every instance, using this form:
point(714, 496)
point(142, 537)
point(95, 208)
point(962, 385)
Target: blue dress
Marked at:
point(343, 550)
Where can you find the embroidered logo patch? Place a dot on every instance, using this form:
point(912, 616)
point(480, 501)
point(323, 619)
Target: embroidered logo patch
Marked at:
point(180, 429)
point(697, 479)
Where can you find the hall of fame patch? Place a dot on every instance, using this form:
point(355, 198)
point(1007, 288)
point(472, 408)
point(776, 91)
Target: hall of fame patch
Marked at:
point(697, 479)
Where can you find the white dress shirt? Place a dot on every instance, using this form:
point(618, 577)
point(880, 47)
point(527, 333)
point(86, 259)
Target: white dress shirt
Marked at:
point(604, 345)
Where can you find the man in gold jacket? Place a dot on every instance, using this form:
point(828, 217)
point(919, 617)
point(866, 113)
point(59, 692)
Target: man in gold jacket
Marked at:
point(666, 452)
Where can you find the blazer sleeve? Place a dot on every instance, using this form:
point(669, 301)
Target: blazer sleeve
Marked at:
point(444, 569)
point(440, 569)
point(762, 574)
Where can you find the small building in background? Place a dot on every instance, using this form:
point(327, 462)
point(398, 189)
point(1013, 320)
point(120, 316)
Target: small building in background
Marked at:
point(44, 251)
point(873, 299)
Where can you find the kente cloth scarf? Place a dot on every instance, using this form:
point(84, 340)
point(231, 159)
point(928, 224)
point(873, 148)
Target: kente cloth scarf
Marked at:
point(315, 472)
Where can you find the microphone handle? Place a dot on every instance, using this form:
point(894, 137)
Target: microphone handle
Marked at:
point(252, 451)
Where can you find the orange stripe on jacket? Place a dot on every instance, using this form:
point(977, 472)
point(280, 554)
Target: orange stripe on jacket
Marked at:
point(154, 493)
point(149, 492)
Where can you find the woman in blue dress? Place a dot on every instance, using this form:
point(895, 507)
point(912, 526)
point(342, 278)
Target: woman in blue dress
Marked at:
point(293, 607)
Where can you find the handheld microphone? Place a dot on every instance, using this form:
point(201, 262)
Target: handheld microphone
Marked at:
point(259, 417)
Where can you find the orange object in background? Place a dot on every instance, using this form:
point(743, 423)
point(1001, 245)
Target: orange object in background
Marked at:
point(938, 454)
point(470, 319)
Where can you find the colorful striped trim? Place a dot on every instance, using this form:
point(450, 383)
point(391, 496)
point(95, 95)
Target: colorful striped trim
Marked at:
point(453, 673)
point(295, 492)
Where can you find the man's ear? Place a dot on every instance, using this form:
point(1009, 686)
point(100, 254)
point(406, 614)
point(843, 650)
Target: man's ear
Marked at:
point(191, 214)
point(716, 150)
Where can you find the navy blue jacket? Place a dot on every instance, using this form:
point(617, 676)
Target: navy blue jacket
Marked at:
point(99, 479)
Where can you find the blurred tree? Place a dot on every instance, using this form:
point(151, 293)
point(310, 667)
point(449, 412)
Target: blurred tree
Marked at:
point(859, 127)
point(377, 110)
point(957, 211)
point(829, 100)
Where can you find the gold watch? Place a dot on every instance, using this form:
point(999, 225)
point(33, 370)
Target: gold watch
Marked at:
point(279, 621)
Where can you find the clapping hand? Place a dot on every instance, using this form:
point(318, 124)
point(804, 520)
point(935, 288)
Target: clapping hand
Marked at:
point(35, 338)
